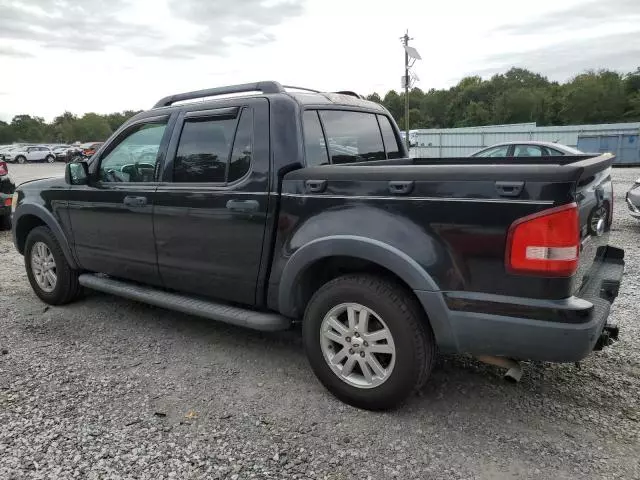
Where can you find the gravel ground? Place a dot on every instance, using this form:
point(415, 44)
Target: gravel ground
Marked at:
point(108, 388)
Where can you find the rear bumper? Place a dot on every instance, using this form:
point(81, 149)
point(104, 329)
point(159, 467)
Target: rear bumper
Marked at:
point(528, 329)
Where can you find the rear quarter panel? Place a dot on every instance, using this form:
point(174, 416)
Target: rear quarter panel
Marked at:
point(455, 230)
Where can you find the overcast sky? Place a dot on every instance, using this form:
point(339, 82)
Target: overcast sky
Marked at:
point(112, 55)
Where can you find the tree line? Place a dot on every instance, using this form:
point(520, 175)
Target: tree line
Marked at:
point(65, 128)
point(520, 96)
point(516, 96)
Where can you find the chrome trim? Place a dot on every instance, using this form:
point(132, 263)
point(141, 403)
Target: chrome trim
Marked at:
point(431, 199)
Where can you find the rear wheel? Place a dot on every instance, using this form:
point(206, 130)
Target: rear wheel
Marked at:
point(367, 341)
point(49, 273)
point(5, 222)
point(21, 159)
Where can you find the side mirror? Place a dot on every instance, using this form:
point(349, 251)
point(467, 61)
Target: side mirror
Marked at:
point(76, 173)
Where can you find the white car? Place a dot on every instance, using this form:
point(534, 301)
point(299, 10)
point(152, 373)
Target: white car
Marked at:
point(32, 153)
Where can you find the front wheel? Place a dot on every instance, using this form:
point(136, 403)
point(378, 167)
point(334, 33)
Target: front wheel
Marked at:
point(49, 273)
point(50, 159)
point(368, 341)
point(21, 159)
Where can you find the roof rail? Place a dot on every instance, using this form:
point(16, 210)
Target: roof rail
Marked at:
point(264, 87)
point(302, 88)
point(350, 93)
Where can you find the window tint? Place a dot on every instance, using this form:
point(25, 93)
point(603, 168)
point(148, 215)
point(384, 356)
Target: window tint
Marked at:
point(134, 158)
point(390, 140)
point(242, 147)
point(352, 136)
point(203, 151)
point(500, 151)
point(527, 151)
point(314, 145)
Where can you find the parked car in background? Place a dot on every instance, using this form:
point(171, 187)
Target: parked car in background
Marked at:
point(88, 149)
point(66, 153)
point(526, 149)
point(7, 187)
point(633, 199)
point(32, 153)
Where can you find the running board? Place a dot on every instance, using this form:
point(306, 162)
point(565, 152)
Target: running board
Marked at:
point(266, 322)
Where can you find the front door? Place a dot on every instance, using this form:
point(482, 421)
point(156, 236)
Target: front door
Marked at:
point(112, 217)
point(33, 154)
point(210, 214)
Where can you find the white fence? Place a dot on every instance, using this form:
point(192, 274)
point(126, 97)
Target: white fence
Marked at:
point(461, 142)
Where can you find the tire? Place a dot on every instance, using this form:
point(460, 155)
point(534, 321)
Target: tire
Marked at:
point(388, 304)
point(50, 159)
point(21, 159)
point(66, 286)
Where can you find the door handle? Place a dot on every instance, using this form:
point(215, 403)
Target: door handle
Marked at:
point(135, 201)
point(509, 189)
point(243, 205)
point(400, 187)
point(315, 186)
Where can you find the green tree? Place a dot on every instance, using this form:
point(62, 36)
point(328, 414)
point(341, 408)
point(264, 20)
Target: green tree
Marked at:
point(64, 128)
point(594, 97)
point(374, 97)
point(6, 134)
point(93, 127)
point(393, 103)
point(26, 128)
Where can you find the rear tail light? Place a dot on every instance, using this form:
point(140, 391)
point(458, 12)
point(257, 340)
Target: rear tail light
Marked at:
point(546, 243)
point(8, 201)
point(3, 168)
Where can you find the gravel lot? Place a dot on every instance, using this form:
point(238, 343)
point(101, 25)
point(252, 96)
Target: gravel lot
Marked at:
point(108, 388)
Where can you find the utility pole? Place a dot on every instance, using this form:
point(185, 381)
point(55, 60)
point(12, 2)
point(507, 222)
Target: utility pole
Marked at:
point(410, 57)
point(405, 41)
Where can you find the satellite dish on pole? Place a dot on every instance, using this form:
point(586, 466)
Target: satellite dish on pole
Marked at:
point(412, 52)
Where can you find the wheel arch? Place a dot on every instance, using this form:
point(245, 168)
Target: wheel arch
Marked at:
point(28, 217)
point(361, 252)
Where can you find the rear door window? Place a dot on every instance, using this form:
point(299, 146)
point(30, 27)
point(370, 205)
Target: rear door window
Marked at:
point(352, 136)
point(214, 149)
point(528, 151)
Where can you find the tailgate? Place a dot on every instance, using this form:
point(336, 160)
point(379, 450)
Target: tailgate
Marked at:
point(594, 196)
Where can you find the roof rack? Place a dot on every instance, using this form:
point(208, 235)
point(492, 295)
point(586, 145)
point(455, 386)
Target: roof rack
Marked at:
point(302, 88)
point(350, 93)
point(264, 87)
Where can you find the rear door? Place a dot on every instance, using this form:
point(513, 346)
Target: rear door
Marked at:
point(210, 211)
point(111, 217)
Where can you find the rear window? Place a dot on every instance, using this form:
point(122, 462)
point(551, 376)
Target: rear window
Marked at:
point(348, 137)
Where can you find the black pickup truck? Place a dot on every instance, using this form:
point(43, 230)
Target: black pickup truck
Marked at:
point(276, 206)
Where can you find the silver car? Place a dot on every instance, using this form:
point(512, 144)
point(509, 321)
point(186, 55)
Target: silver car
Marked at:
point(33, 153)
point(633, 199)
point(526, 149)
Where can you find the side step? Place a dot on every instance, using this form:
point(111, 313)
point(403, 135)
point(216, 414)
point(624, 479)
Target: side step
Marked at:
point(266, 322)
